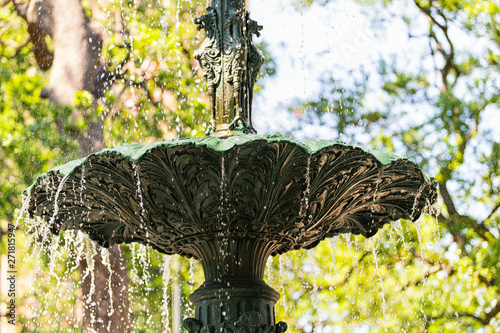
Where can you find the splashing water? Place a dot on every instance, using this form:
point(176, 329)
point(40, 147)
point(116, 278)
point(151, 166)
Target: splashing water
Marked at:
point(166, 276)
point(304, 206)
point(56, 205)
point(377, 270)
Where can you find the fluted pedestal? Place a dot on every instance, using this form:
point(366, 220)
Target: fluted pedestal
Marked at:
point(234, 296)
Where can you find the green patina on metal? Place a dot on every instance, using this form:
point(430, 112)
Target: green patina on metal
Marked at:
point(134, 152)
point(230, 199)
point(230, 203)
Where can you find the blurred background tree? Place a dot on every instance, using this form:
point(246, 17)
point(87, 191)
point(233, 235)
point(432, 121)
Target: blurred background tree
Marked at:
point(78, 76)
point(436, 108)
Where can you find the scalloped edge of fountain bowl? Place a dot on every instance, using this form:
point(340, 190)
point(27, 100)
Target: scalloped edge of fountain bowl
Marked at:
point(134, 152)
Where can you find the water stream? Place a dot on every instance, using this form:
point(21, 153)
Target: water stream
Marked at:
point(166, 277)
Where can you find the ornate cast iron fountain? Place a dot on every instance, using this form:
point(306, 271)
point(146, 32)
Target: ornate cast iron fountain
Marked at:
point(233, 198)
point(231, 63)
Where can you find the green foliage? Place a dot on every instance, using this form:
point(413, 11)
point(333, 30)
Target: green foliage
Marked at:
point(441, 275)
point(441, 117)
point(157, 94)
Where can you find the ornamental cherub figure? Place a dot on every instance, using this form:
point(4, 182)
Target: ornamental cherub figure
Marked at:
point(209, 57)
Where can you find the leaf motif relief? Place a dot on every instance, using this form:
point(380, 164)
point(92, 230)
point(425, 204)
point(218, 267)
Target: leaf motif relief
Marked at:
point(259, 187)
point(251, 322)
point(193, 325)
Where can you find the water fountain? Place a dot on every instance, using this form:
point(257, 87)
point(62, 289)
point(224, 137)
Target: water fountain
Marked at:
point(233, 198)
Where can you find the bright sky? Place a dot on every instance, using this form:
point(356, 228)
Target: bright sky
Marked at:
point(308, 43)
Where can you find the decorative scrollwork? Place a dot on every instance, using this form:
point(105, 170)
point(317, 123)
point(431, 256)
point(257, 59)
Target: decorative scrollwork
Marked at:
point(209, 57)
point(251, 322)
point(272, 189)
point(231, 63)
point(193, 325)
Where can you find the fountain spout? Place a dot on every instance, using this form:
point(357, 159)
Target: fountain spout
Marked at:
point(231, 63)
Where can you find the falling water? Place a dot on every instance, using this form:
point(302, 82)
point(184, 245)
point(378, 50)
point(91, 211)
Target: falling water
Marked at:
point(54, 255)
point(223, 197)
point(424, 277)
point(56, 205)
point(106, 262)
point(434, 212)
point(314, 271)
point(377, 269)
point(134, 275)
point(419, 236)
point(282, 274)
point(141, 277)
point(270, 277)
point(142, 212)
point(166, 276)
point(192, 264)
point(374, 207)
point(22, 213)
point(189, 308)
point(396, 226)
point(82, 184)
point(414, 209)
point(333, 245)
point(90, 253)
point(304, 206)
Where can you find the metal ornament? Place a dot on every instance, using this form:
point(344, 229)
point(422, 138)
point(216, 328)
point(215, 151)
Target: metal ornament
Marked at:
point(230, 201)
point(231, 63)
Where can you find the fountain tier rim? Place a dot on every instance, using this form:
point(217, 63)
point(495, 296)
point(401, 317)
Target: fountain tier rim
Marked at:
point(164, 193)
point(135, 152)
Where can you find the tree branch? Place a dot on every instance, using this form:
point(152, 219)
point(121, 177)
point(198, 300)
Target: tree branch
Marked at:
point(342, 282)
point(492, 314)
point(430, 271)
point(488, 282)
point(448, 201)
point(21, 8)
point(494, 210)
point(447, 56)
point(435, 267)
point(17, 47)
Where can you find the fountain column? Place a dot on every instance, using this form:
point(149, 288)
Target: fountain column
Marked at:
point(234, 296)
point(231, 64)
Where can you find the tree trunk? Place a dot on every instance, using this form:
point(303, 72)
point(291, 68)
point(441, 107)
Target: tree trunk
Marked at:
point(75, 65)
point(106, 311)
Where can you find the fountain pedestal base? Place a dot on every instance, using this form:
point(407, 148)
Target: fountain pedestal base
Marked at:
point(233, 305)
point(235, 297)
